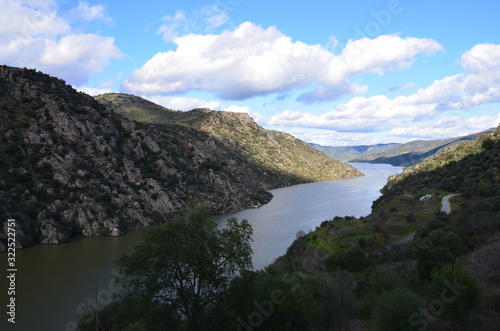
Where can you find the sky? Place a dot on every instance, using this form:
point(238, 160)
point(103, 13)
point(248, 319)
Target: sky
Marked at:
point(331, 72)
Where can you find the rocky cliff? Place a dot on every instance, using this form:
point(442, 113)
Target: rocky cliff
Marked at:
point(71, 167)
point(294, 160)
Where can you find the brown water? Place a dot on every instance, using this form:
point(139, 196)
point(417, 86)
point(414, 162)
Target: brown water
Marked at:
point(56, 282)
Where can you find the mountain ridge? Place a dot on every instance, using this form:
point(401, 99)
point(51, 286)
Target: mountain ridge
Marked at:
point(71, 167)
point(273, 149)
point(406, 154)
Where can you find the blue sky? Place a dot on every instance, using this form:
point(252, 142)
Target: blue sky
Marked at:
point(329, 72)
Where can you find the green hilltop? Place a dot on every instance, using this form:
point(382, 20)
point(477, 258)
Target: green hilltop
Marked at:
point(406, 266)
point(277, 151)
point(403, 155)
point(407, 246)
point(72, 166)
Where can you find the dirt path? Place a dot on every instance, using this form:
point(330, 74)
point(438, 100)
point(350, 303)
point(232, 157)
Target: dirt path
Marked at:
point(446, 203)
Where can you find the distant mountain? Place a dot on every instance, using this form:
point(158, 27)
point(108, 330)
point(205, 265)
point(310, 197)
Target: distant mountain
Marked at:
point(416, 151)
point(348, 153)
point(403, 155)
point(277, 151)
point(69, 166)
point(409, 243)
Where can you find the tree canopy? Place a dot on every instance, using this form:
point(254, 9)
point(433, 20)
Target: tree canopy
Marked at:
point(187, 263)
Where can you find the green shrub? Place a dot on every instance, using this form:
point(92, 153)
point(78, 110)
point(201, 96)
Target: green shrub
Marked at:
point(380, 280)
point(355, 259)
point(430, 257)
point(394, 308)
point(456, 287)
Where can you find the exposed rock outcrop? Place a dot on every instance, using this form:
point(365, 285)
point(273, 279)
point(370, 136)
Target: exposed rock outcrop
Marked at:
point(71, 167)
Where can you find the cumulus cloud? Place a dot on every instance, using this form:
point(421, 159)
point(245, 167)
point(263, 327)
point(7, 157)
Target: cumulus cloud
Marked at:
point(93, 91)
point(205, 20)
point(213, 17)
point(257, 117)
point(453, 126)
point(89, 13)
point(403, 87)
point(332, 137)
point(251, 61)
point(184, 103)
point(34, 35)
point(477, 84)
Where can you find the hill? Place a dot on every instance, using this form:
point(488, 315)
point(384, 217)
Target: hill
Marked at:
point(402, 155)
point(413, 152)
point(277, 151)
point(71, 167)
point(406, 266)
point(348, 153)
point(409, 248)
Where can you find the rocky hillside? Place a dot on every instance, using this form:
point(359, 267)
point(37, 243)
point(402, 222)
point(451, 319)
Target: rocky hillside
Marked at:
point(71, 167)
point(403, 155)
point(408, 250)
point(413, 152)
point(348, 153)
point(274, 150)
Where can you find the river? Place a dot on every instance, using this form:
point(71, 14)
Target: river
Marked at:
point(55, 282)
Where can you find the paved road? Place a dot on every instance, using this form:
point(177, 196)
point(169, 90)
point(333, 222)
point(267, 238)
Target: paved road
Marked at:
point(446, 203)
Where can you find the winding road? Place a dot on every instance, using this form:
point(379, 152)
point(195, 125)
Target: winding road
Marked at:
point(446, 203)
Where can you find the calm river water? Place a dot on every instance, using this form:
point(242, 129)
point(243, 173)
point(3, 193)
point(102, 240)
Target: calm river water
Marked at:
point(55, 282)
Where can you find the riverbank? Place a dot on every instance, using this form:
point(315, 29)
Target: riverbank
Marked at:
point(56, 282)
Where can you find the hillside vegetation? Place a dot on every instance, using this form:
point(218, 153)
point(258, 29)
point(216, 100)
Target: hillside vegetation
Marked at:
point(72, 167)
point(406, 266)
point(403, 155)
point(275, 150)
point(348, 153)
point(406, 249)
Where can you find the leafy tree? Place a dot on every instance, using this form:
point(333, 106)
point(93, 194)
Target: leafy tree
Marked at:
point(187, 263)
point(457, 287)
point(380, 280)
point(394, 308)
point(355, 259)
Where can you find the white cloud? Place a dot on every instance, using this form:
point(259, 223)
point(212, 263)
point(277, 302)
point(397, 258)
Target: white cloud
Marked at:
point(205, 20)
point(478, 84)
point(75, 57)
point(332, 43)
point(214, 17)
point(93, 91)
point(251, 61)
point(32, 34)
point(403, 87)
point(257, 117)
point(360, 114)
point(89, 13)
point(184, 103)
point(21, 21)
point(447, 127)
point(331, 137)
point(169, 30)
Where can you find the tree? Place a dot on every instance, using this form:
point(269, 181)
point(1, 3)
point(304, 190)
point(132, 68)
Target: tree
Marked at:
point(458, 286)
point(187, 263)
point(394, 308)
point(300, 234)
